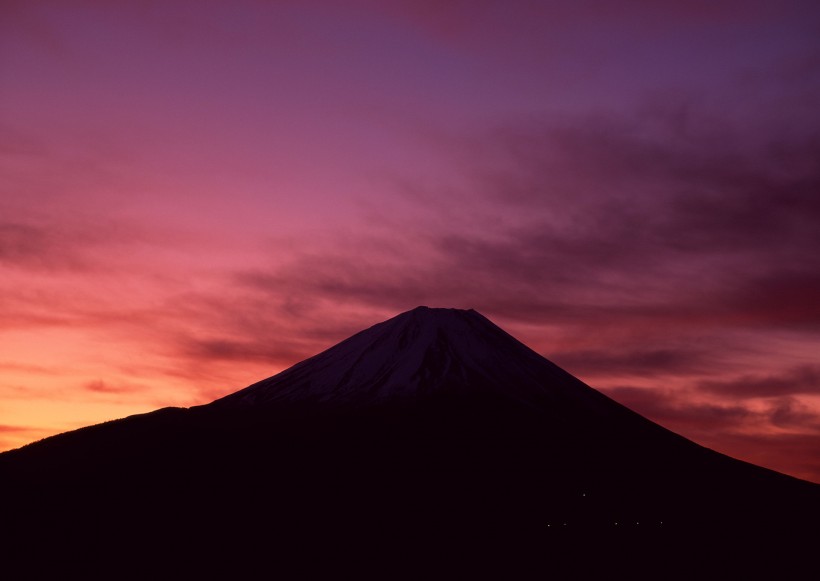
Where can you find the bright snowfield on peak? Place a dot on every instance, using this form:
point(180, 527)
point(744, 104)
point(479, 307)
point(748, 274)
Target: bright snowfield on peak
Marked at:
point(432, 445)
point(420, 352)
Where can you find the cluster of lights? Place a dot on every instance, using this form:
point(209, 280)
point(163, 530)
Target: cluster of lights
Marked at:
point(616, 523)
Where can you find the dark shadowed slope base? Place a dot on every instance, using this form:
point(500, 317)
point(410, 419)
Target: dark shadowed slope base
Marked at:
point(432, 445)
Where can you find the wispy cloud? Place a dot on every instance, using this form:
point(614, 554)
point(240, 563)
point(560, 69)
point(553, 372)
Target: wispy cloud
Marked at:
point(647, 362)
point(38, 247)
point(799, 380)
point(100, 386)
point(679, 412)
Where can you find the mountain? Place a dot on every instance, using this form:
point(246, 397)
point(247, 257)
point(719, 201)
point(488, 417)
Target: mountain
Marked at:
point(421, 353)
point(433, 444)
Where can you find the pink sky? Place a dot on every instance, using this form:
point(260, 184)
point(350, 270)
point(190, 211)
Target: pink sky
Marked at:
point(195, 195)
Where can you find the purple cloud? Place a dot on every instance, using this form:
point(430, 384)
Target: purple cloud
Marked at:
point(800, 380)
point(679, 412)
point(646, 362)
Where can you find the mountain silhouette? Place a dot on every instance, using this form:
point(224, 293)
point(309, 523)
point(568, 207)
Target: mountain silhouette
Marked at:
point(433, 444)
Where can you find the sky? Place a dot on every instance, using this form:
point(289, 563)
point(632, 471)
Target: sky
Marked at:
point(195, 195)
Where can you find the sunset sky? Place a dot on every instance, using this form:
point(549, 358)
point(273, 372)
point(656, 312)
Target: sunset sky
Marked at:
point(197, 194)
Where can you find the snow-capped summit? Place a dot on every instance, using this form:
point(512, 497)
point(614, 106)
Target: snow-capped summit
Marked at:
point(420, 352)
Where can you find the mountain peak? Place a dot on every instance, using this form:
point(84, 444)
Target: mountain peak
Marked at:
point(437, 310)
point(421, 352)
point(435, 315)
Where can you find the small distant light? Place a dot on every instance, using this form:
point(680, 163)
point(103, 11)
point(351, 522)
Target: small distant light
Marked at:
point(616, 524)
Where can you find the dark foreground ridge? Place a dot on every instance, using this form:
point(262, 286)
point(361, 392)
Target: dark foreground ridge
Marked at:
point(431, 445)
